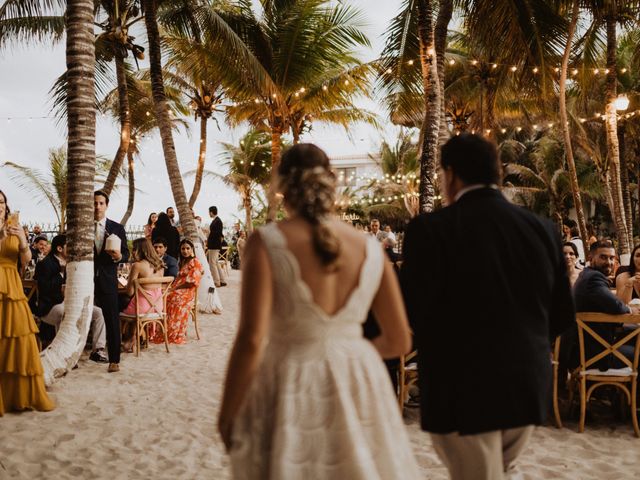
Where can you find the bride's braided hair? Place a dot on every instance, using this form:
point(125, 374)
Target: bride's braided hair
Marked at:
point(309, 187)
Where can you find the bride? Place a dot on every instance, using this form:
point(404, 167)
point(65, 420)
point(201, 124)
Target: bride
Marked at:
point(306, 396)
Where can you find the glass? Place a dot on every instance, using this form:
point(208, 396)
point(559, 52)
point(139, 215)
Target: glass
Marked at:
point(124, 269)
point(13, 220)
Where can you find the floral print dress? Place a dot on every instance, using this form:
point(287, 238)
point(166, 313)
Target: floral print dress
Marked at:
point(180, 303)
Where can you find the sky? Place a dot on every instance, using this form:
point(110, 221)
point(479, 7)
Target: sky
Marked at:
point(26, 76)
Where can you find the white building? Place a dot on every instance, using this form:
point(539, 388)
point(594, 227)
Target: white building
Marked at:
point(355, 171)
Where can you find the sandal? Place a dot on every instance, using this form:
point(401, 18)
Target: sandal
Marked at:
point(113, 367)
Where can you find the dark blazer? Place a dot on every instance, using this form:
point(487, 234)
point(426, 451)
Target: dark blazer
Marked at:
point(214, 241)
point(171, 263)
point(50, 280)
point(105, 269)
point(592, 294)
point(486, 289)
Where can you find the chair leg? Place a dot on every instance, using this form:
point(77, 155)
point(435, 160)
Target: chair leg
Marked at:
point(166, 337)
point(583, 403)
point(138, 328)
point(556, 408)
point(634, 412)
point(195, 324)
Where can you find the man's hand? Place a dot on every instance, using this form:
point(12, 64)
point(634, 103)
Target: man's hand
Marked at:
point(115, 255)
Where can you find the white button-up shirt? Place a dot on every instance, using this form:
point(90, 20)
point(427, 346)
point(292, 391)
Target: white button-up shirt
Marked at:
point(100, 229)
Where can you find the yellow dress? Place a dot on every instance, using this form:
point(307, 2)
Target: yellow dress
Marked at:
point(21, 375)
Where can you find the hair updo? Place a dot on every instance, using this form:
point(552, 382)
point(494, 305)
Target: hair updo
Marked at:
point(309, 188)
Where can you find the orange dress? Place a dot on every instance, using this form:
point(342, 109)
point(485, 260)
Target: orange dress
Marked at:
point(21, 375)
point(180, 303)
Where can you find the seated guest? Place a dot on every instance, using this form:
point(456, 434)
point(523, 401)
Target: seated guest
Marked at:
point(570, 252)
point(50, 275)
point(592, 294)
point(151, 223)
point(628, 281)
point(170, 233)
point(170, 263)
point(146, 264)
point(39, 248)
point(181, 295)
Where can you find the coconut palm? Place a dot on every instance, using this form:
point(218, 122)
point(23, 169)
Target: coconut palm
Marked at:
point(27, 21)
point(271, 57)
point(248, 168)
point(69, 342)
point(52, 186)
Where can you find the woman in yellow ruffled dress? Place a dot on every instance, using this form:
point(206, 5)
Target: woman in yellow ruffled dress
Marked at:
point(21, 375)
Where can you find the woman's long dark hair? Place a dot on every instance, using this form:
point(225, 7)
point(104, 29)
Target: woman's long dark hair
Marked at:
point(6, 205)
point(632, 264)
point(185, 260)
point(149, 219)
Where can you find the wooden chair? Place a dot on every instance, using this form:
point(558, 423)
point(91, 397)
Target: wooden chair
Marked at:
point(407, 376)
point(223, 260)
point(194, 315)
point(157, 314)
point(625, 379)
point(555, 362)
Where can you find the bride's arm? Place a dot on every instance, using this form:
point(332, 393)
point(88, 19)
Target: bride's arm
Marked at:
point(389, 311)
point(255, 312)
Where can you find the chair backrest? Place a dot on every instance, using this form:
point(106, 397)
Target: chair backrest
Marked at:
point(157, 308)
point(588, 320)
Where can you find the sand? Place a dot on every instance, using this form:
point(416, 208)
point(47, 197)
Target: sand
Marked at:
point(157, 419)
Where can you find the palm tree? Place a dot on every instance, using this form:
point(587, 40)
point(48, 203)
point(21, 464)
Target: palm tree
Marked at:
point(51, 187)
point(564, 124)
point(68, 344)
point(248, 168)
point(271, 59)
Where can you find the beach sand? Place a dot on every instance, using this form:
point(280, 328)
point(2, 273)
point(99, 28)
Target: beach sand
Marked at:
point(157, 419)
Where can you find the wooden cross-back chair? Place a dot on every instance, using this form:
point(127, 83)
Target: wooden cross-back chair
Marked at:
point(194, 315)
point(157, 314)
point(223, 260)
point(625, 378)
point(407, 376)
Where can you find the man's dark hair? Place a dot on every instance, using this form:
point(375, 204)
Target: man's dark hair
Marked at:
point(161, 240)
point(604, 243)
point(58, 241)
point(100, 193)
point(168, 208)
point(472, 158)
point(40, 237)
point(213, 210)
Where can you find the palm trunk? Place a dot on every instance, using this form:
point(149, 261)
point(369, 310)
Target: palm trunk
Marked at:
point(208, 300)
point(132, 189)
point(445, 12)
point(624, 183)
point(276, 151)
point(125, 126)
point(613, 147)
point(201, 159)
point(571, 164)
point(60, 357)
point(248, 211)
point(432, 106)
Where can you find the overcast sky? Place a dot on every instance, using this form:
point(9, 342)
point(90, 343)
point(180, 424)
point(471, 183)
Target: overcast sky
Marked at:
point(26, 75)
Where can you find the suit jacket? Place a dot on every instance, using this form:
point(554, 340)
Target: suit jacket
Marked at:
point(214, 241)
point(50, 280)
point(105, 269)
point(486, 289)
point(592, 294)
point(171, 263)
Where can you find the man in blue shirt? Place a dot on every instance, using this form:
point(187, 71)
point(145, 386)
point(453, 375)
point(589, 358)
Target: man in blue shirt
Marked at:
point(171, 264)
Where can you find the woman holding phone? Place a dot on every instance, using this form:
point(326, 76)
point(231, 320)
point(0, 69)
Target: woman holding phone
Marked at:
point(21, 375)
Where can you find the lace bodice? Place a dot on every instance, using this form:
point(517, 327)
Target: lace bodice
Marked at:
point(295, 316)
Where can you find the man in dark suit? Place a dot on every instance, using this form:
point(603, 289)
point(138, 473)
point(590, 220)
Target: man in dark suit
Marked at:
point(106, 274)
point(171, 264)
point(486, 289)
point(592, 294)
point(50, 275)
point(214, 244)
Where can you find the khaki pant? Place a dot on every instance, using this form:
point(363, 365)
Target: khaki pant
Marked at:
point(97, 328)
point(216, 271)
point(484, 456)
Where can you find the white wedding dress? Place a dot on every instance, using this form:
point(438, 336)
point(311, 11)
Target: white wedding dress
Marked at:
point(321, 405)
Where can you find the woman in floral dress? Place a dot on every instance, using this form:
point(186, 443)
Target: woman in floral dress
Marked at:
point(181, 295)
